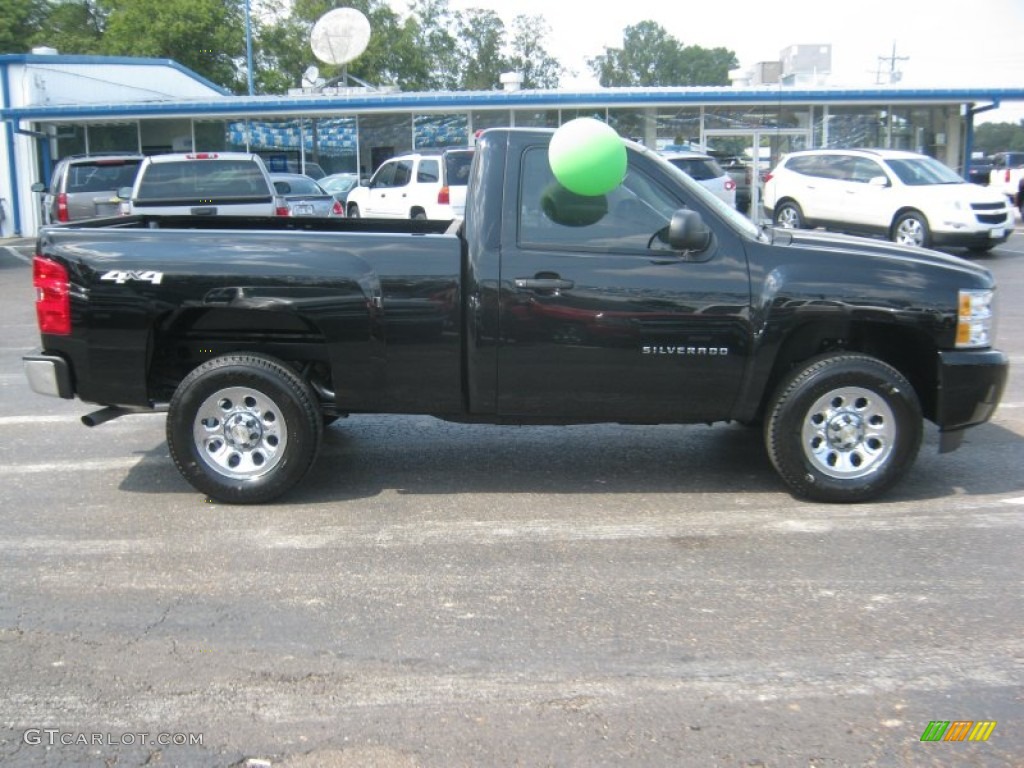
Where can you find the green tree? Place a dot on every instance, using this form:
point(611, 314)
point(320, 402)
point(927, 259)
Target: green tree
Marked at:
point(650, 56)
point(530, 57)
point(481, 36)
point(433, 60)
point(207, 36)
point(72, 27)
point(990, 138)
point(18, 20)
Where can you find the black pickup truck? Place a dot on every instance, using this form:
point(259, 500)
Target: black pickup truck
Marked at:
point(653, 303)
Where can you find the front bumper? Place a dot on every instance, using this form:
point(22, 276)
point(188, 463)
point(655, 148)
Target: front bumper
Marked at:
point(971, 383)
point(49, 375)
point(971, 239)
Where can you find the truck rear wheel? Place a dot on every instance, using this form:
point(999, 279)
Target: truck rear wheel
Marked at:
point(243, 428)
point(844, 428)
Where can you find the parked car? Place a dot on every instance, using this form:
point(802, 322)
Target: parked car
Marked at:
point(420, 185)
point(706, 171)
point(339, 184)
point(1007, 176)
point(85, 186)
point(203, 184)
point(304, 197)
point(978, 170)
point(910, 198)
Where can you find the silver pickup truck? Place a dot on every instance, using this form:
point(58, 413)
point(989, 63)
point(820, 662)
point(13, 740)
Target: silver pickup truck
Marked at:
point(203, 184)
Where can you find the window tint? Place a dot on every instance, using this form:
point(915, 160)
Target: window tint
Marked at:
point(302, 186)
point(385, 176)
point(626, 218)
point(456, 167)
point(864, 170)
point(403, 173)
point(805, 164)
point(205, 179)
point(428, 172)
point(99, 177)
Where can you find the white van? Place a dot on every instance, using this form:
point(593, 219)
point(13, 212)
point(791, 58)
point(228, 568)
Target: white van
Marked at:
point(420, 185)
point(203, 184)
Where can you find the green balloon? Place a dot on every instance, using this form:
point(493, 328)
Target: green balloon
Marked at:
point(587, 157)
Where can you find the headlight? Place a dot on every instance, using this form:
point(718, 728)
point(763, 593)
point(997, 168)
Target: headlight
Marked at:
point(974, 319)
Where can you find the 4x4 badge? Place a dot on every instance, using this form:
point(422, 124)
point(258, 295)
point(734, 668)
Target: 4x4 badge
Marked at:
point(121, 276)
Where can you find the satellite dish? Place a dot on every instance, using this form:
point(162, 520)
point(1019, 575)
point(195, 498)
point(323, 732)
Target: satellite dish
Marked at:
point(310, 75)
point(339, 36)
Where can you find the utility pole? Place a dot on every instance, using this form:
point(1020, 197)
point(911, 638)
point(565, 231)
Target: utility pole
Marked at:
point(894, 74)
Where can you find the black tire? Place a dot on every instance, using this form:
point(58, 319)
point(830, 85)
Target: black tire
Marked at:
point(912, 229)
point(353, 211)
point(844, 428)
point(789, 215)
point(243, 428)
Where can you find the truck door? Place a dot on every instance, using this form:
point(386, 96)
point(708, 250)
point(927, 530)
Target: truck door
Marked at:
point(599, 320)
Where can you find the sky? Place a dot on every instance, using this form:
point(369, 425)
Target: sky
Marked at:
point(947, 43)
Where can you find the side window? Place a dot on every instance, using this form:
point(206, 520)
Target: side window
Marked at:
point(428, 172)
point(385, 176)
point(804, 164)
point(627, 218)
point(403, 173)
point(865, 170)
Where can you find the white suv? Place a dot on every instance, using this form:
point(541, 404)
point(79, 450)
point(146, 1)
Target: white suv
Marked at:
point(415, 186)
point(910, 198)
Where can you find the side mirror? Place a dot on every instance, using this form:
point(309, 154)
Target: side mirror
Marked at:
point(125, 193)
point(38, 187)
point(688, 232)
point(878, 181)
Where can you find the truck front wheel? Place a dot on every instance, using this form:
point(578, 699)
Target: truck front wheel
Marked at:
point(243, 428)
point(843, 428)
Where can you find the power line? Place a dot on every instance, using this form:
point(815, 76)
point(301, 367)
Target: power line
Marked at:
point(894, 74)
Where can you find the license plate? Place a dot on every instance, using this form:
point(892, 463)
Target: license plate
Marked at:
point(993, 233)
point(302, 210)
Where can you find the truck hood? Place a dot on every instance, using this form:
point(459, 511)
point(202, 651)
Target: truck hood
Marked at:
point(837, 246)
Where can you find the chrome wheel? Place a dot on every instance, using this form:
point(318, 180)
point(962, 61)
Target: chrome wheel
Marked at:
point(911, 229)
point(788, 216)
point(849, 432)
point(239, 433)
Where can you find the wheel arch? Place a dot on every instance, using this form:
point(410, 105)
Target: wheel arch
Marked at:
point(909, 351)
point(182, 341)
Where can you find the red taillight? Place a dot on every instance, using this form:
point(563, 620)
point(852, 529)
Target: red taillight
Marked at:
point(281, 207)
point(338, 209)
point(730, 185)
point(202, 156)
point(767, 177)
point(53, 303)
point(62, 207)
point(443, 198)
point(1007, 177)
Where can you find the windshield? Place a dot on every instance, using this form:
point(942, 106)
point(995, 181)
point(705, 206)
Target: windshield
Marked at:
point(919, 172)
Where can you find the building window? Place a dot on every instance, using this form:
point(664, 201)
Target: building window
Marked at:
point(113, 137)
point(440, 131)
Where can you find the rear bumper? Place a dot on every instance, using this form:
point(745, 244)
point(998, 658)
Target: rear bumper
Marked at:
point(971, 383)
point(49, 375)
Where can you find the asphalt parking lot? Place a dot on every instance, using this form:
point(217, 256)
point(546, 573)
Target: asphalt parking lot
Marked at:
point(450, 595)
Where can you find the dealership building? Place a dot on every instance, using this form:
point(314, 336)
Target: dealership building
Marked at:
point(52, 106)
